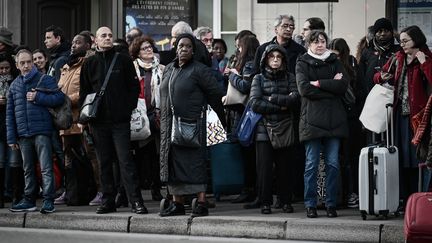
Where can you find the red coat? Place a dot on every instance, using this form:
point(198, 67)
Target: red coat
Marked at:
point(417, 75)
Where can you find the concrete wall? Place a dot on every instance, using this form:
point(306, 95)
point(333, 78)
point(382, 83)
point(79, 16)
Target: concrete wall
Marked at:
point(348, 19)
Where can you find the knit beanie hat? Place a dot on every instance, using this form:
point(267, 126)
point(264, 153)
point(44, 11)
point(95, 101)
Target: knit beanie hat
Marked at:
point(6, 36)
point(383, 23)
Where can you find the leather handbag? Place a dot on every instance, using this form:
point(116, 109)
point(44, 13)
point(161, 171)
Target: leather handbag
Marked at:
point(282, 134)
point(89, 108)
point(186, 132)
point(234, 97)
point(62, 116)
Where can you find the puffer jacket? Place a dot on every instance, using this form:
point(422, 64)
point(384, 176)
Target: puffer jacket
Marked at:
point(274, 95)
point(24, 118)
point(322, 111)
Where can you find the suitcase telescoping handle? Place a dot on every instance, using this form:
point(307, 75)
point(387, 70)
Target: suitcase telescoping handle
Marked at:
point(390, 145)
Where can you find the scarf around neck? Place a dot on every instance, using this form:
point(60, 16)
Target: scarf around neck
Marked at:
point(381, 47)
point(321, 57)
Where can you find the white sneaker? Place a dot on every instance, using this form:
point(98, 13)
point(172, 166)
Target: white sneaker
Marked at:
point(97, 200)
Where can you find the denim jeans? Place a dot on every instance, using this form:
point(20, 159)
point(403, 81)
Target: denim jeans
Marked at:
point(112, 141)
point(41, 146)
point(330, 149)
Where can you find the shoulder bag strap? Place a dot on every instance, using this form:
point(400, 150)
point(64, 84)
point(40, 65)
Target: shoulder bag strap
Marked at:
point(107, 76)
point(40, 80)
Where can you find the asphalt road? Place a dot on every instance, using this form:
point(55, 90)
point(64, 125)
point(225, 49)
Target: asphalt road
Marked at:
point(23, 235)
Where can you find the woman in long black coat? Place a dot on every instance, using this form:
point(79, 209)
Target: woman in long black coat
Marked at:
point(190, 86)
point(322, 82)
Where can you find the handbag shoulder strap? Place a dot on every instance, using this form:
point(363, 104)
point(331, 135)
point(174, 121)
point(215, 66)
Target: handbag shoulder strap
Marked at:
point(107, 76)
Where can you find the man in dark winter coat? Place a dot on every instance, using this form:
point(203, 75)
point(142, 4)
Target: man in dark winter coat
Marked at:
point(58, 48)
point(111, 128)
point(284, 27)
point(29, 128)
point(380, 49)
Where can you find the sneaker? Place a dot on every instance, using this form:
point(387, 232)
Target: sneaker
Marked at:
point(353, 200)
point(97, 200)
point(47, 207)
point(23, 206)
point(60, 200)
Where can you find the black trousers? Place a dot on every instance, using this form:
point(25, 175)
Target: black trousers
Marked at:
point(266, 156)
point(112, 141)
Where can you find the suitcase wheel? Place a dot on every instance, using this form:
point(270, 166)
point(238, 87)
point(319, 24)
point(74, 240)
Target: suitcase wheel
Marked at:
point(163, 204)
point(363, 215)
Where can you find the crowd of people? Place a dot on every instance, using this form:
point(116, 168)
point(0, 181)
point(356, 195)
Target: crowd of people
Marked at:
point(297, 83)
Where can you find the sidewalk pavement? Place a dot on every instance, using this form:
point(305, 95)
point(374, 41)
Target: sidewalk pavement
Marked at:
point(226, 220)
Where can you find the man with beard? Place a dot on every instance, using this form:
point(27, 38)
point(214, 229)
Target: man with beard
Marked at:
point(380, 49)
point(72, 137)
point(58, 48)
point(284, 27)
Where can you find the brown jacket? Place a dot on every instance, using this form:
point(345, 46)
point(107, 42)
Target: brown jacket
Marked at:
point(69, 84)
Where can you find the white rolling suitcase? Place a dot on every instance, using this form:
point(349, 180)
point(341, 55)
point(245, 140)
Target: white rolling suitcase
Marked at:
point(379, 177)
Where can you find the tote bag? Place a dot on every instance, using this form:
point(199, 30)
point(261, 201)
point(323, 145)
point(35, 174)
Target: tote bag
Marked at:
point(246, 128)
point(215, 132)
point(373, 115)
point(139, 124)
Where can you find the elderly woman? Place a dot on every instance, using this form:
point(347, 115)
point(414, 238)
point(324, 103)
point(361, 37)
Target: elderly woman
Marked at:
point(186, 89)
point(274, 94)
point(323, 120)
point(149, 71)
point(410, 71)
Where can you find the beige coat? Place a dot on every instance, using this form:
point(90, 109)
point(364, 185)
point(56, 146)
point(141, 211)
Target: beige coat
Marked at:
point(69, 84)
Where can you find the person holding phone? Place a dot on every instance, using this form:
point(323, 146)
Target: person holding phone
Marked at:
point(410, 72)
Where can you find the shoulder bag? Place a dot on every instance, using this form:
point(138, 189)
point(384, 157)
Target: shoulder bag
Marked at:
point(185, 132)
point(282, 134)
point(62, 116)
point(234, 97)
point(91, 103)
point(246, 128)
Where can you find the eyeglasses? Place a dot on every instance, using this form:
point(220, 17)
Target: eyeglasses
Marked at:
point(271, 56)
point(404, 42)
point(146, 48)
point(207, 39)
point(287, 26)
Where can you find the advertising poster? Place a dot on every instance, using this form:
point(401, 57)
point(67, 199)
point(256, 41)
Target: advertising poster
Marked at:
point(156, 18)
point(416, 12)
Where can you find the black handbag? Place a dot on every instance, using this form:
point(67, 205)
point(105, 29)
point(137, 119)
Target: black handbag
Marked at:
point(282, 134)
point(62, 116)
point(89, 108)
point(186, 132)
